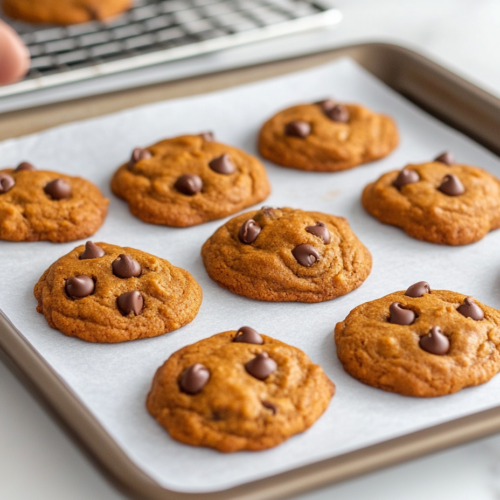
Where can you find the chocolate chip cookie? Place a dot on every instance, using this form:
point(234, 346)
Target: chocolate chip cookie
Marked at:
point(40, 205)
point(421, 342)
point(283, 254)
point(238, 390)
point(189, 180)
point(63, 11)
point(440, 201)
point(106, 293)
point(327, 136)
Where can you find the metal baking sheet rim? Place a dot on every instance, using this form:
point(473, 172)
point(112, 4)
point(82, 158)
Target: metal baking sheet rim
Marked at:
point(138, 484)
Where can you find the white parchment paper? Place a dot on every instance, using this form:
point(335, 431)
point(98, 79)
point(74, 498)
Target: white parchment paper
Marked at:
point(113, 380)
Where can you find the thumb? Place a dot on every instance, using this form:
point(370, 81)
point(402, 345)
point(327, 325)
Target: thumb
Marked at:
point(14, 56)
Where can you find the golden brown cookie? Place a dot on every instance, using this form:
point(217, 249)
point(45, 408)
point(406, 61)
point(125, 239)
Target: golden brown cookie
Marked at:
point(40, 205)
point(106, 293)
point(439, 201)
point(420, 342)
point(284, 254)
point(327, 136)
point(189, 180)
point(238, 390)
point(63, 11)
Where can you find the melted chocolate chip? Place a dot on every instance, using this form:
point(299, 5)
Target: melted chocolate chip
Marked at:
point(470, 309)
point(451, 186)
point(321, 231)
point(126, 267)
point(306, 255)
point(130, 302)
point(270, 406)
point(188, 184)
point(298, 128)
point(261, 366)
point(435, 342)
point(418, 289)
point(249, 231)
point(207, 136)
point(222, 165)
point(81, 286)
point(194, 378)
point(326, 105)
point(58, 189)
point(248, 336)
point(91, 251)
point(338, 113)
point(24, 165)
point(446, 158)
point(6, 183)
point(139, 154)
point(406, 176)
point(400, 316)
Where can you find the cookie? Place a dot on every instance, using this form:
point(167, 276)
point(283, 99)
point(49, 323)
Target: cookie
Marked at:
point(189, 180)
point(238, 390)
point(420, 342)
point(283, 254)
point(438, 201)
point(63, 11)
point(40, 205)
point(106, 293)
point(327, 136)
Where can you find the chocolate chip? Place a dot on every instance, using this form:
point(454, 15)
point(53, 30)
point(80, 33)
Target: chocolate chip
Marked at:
point(80, 286)
point(418, 289)
point(435, 342)
point(248, 336)
point(270, 212)
point(446, 158)
point(326, 105)
point(58, 189)
point(249, 231)
point(91, 251)
point(207, 136)
point(451, 185)
point(270, 406)
point(338, 113)
point(306, 255)
point(321, 231)
point(298, 128)
point(139, 154)
point(6, 183)
point(188, 184)
point(470, 309)
point(130, 302)
point(405, 177)
point(24, 165)
point(126, 267)
point(261, 366)
point(222, 165)
point(194, 378)
point(399, 315)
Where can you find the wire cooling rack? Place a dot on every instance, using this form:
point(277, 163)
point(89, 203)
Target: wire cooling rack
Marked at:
point(155, 31)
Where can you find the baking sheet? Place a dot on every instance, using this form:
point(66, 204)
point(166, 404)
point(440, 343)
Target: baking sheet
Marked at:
point(113, 380)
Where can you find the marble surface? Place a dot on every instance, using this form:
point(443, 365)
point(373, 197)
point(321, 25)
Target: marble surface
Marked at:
point(38, 460)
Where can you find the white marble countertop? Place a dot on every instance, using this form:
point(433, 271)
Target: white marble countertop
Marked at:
point(39, 461)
